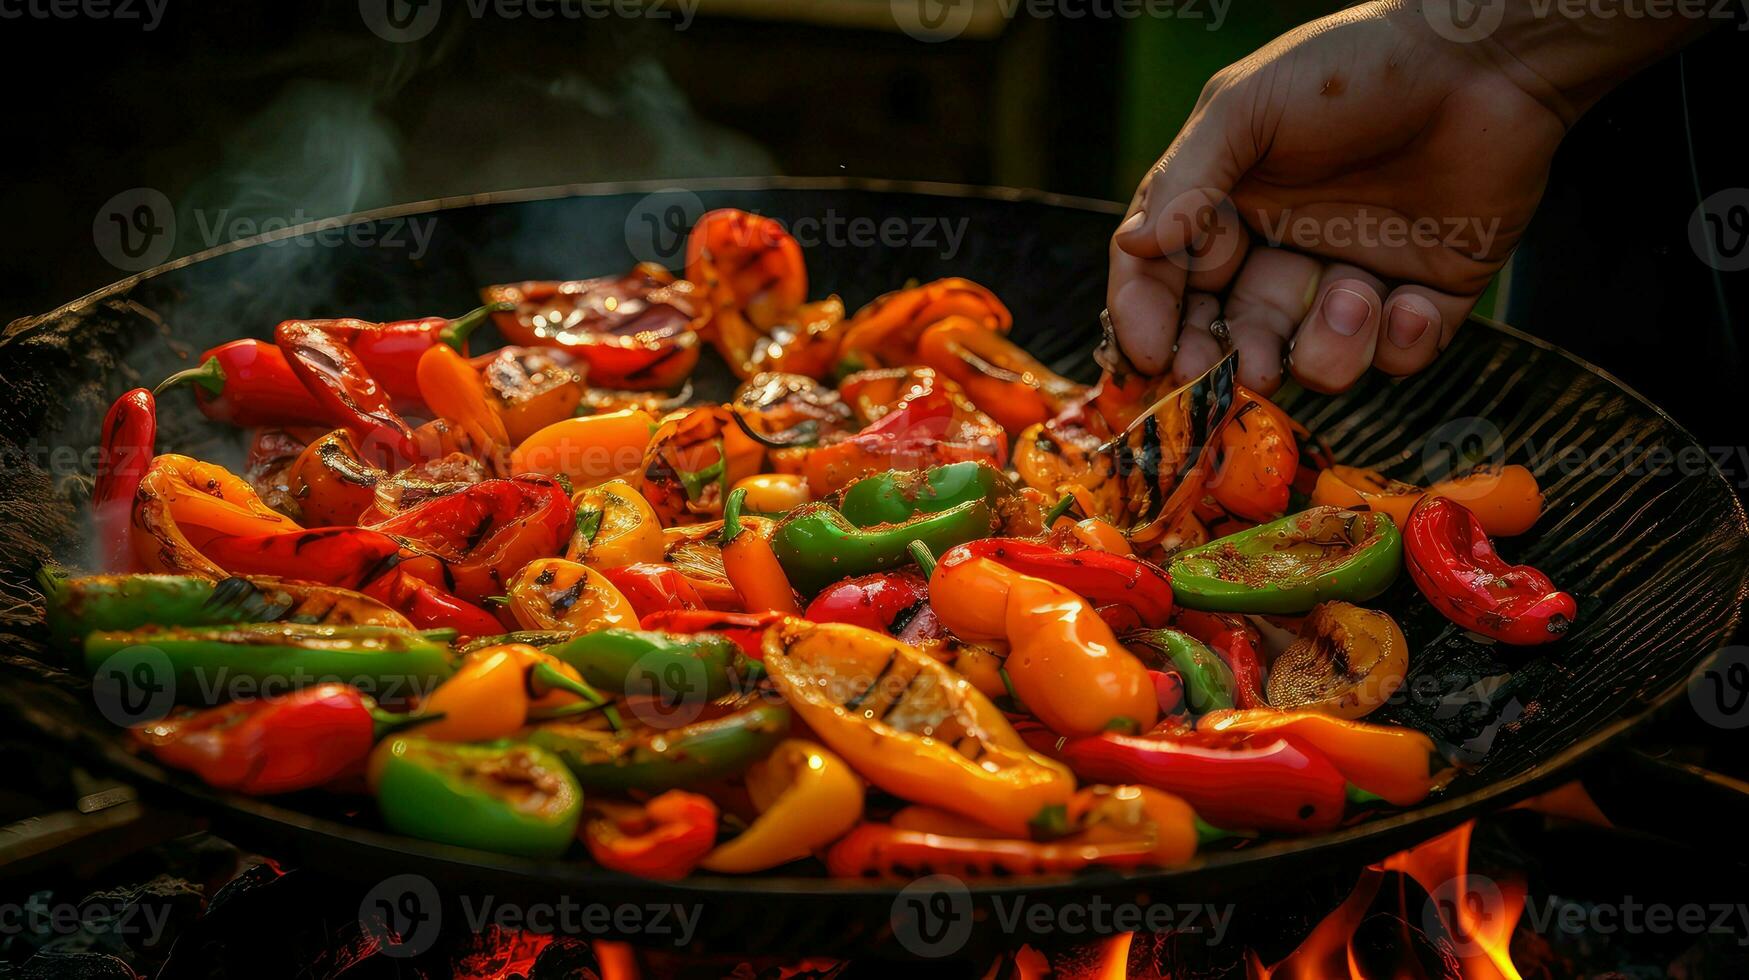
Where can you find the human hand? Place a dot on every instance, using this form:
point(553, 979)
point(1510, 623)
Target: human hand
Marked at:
point(1351, 188)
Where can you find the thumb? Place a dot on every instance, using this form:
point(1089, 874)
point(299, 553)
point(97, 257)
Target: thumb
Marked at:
point(1181, 200)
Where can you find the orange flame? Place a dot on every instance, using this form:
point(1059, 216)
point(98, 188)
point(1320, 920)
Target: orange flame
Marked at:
point(1477, 914)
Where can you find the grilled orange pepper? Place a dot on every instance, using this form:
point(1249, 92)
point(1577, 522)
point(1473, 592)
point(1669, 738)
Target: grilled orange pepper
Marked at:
point(615, 526)
point(331, 481)
point(1066, 665)
point(1002, 379)
point(453, 390)
point(752, 567)
point(693, 459)
point(182, 503)
point(884, 333)
point(588, 450)
point(801, 340)
point(492, 693)
point(1391, 762)
point(1505, 499)
point(807, 797)
point(531, 387)
point(746, 262)
point(1258, 457)
point(555, 594)
point(774, 493)
point(911, 726)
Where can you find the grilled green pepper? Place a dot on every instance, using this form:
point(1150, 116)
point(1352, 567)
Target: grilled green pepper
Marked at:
point(76, 606)
point(893, 498)
point(207, 663)
point(817, 546)
point(660, 759)
point(1208, 682)
point(696, 667)
point(503, 797)
point(1292, 564)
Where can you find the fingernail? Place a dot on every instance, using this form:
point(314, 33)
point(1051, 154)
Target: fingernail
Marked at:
point(1346, 311)
point(1132, 222)
point(1407, 325)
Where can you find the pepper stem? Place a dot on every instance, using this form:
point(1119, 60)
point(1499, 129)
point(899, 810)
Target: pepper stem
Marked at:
point(388, 722)
point(551, 677)
point(456, 334)
point(1208, 833)
point(1361, 797)
point(209, 374)
point(924, 558)
point(1058, 509)
point(732, 526)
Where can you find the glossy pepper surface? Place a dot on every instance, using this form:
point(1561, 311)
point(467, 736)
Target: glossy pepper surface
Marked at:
point(751, 563)
point(661, 839)
point(911, 726)
point(555, 594)
point(1292, 564)
point(493, 691)
point(648, 759)
point(506, 798)
point(250, 382)
point(1208, 683)
point(76, 606)
point(1065, 663)
point(129, 435)
point(276, 744)
point(806, 796)
point(474, 540)
point(1389, 761)
point(652, 587)
point(1235, 640)
point(1100, 577)
point(893, 498)
point(695, 668)
point(200, 660)
point(817, 546)
point(1233, 780)
point(1456, 567)
point(333, 373)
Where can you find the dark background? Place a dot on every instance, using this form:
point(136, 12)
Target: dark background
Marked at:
point(244, 115)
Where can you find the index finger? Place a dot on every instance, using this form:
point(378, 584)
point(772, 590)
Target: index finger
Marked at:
point(1146, 300)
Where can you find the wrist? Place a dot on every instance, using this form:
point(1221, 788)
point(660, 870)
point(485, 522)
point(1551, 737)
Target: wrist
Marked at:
point(1564, 53)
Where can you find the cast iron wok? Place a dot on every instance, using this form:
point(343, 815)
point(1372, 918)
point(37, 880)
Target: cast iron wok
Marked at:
point(1657, 552)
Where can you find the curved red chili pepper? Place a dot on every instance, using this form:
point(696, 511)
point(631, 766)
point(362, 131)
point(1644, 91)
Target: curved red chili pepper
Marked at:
point(129, 439)
point(343, 556)
point(1455, 566)
point(333, 373)
point(250, 383)
point(1101, 577)
point(1263, 782)
point(390, 351)
point(896, 603)
point(746, 629)
point(270, 745)
point(664, 838)
point(652, 588)
point(428, 607)
point(1235, 641)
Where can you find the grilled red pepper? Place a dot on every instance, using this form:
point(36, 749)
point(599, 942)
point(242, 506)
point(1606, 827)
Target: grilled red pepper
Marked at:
point(1455, 566)
point(895, 603)
point(1100, 577)
point(652, 588)
point(335, 375)
point(274, 745)
point(130, 436)
point(345, 556)
point(250, 382)
point(428, 607)
point(474, 540)
point(664, 838)
point(1235, 781)
point(747, 630)
point(876, 850)
point(1236, 642)
point(390, 352)
point(926, 429)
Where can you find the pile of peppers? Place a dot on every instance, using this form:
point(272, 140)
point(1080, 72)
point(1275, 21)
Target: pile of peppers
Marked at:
point(538, 600)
